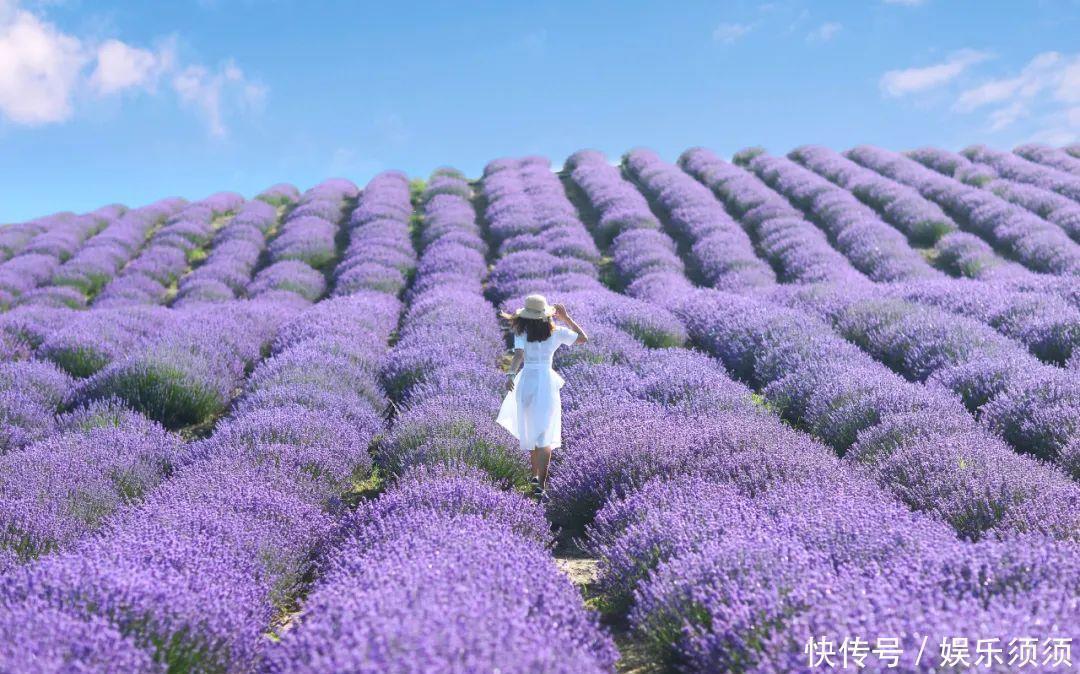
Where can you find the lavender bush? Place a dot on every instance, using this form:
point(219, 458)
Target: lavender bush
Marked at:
point(798, 250)
point(834, 439)
point(1035, 243)
point(1060, 159)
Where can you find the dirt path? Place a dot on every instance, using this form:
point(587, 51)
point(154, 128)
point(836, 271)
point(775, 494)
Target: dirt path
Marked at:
point(583, 571)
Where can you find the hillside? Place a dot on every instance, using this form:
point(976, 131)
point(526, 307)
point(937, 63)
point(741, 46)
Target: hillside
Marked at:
point(828, 414)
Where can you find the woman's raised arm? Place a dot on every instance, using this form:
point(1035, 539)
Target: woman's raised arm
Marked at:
point(560, 313)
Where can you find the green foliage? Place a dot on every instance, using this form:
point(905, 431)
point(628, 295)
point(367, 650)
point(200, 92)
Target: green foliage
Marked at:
point(459, 442)
point(79, 361)
point(163, 392)
point(744, 157)
point(416, 189)
point(277, 201)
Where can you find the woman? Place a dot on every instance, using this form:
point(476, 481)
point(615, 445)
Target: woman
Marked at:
point(532, 410)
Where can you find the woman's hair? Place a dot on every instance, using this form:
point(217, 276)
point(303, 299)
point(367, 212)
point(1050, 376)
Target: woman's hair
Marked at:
point(534, 329)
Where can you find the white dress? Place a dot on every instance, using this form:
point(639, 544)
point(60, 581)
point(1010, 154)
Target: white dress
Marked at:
point(532, 412)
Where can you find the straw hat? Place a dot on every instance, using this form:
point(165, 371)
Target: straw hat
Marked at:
point(536, 306)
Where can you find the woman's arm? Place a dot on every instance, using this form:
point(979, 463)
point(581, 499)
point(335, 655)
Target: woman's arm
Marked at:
point(515, 365)
point(560, 313)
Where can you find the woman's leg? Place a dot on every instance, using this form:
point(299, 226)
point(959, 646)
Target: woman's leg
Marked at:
point(534, 459)
point(544, 461)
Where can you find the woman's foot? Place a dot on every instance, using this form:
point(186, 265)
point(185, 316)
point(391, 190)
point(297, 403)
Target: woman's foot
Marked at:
point(535, 488)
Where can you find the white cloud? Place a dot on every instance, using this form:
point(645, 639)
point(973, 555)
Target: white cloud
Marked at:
point(121, 66)
point(825, 32)
point(39, 68)
point(212, 93)
point(906, 3)
point(1004, 117)
point(1039, 101)
point(1046, 89)
point(1059, 128)
point(43, 73)
point(1068, 89)
point(989, 92)
point(1042, 72)
point(730, 32)
point(898, 83)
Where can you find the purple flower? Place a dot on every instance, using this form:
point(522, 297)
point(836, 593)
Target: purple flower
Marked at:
point(291, 276)
point(429, 590)
point(1035, 243)
point(722, 252)
point(1043, 175)
point(873, 247)
point(797, 249)
point(306, 238)
point(279, 194)
point(38, 639)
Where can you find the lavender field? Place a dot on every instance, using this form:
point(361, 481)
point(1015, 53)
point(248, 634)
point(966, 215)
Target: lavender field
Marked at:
point(828, 418)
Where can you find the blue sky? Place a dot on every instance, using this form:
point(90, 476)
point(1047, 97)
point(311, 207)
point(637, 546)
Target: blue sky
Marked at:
point(104, 101)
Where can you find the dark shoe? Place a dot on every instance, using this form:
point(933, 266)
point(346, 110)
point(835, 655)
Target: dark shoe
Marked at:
point(534, 487)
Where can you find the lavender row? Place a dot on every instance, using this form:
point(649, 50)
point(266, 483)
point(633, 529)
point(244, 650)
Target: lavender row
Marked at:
point(967, 256)
point(873, 247)
point(41, 257)
point(797, 249)
point(1035, 243)
point(521, 197)
point(152, 275)
point(1051, 206)
point(921, 220)
point(13, 237)
point(281, 195)
point(639, 251)
point(721, 251)
point(441, 372)
point(23, 329)
point(105, 254)
point(31, 394)
point(1034, 407)
point(234, 253)
point(828, 387)
point(380, 254)
point(1017, 168)
point(1060, 159)
point(456, 547)
point(56, 235)
point(1045, 203)
point(749, 581)
point(544, 222)
point(194, 577)
point(309, 232)
point(305, 244)
point(918, 441)
point(444, 573)
point(188, 375)
point(674, 550)
point(60, 489)
point(1047, 324)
